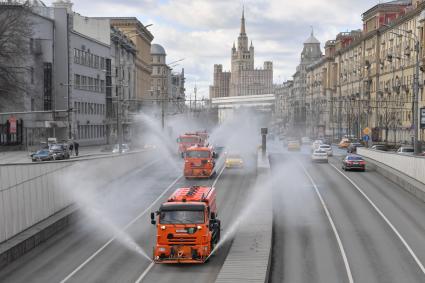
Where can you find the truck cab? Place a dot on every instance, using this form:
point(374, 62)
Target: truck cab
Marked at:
point(199, 162)
point(187, 226)
point(187, 140)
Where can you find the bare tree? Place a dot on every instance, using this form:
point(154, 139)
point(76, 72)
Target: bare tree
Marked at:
point(15, 34)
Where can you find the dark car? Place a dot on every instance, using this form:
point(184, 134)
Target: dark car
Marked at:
point(61, 151)
point(43, 155)
point(353, 162)
point(352, 148)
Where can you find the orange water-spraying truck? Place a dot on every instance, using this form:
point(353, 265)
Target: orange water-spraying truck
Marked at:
point(188, 140)
point(199, 162)
point(187, 226)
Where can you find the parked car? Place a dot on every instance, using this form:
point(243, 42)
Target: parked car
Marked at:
point(353, 162)
point(319, 155)
point(406, 150)
point(352, 148)
point(327, 148)
point(43, 155)
point(124, 148)
point(61, 151)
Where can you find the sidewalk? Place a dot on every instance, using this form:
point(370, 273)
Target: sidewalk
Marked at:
point(8, 157)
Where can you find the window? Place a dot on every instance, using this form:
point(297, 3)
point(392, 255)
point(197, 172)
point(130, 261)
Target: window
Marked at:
point(90, 84)
point(96, 62)
point(102, 63)
point(102, 86)
point(83, 82)
point(32, 75)
point(77, 83)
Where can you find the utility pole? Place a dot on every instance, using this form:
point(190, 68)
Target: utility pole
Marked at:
point(195, 90)
point(416, 143)
point(163, 109)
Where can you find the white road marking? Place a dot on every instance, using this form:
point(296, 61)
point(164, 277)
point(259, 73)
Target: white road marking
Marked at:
point(143, 275)
point(146, 271)
point(124, 228)
point(338, 239)
point(409, 249)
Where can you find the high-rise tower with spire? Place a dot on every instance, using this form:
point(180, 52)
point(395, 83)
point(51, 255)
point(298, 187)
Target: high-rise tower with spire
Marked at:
point(243, 79)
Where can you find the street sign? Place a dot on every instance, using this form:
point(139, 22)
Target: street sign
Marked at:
point(366, 138)
point(366, 131)
point(12, 125)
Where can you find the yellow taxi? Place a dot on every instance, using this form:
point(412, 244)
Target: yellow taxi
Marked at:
point(234, 161)
point(344, 143)
point(294, 146)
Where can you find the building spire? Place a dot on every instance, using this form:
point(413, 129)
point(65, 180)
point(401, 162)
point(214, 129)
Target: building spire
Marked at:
point(243, 21)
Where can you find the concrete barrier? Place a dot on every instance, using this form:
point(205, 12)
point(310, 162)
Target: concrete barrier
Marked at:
point(250, 255)
point(34, 204)
point(412, 166)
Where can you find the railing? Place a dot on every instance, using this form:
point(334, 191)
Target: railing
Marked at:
point(411, 166)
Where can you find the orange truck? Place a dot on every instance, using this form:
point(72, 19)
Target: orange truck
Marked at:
point(188, 140)
point(199, 162)
point(187, 226)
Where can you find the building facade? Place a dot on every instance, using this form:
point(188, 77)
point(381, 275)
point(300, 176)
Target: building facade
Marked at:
point(366, 79)
point(243, 79)
point(310, 54)
point(142, 38)
point(26, 115)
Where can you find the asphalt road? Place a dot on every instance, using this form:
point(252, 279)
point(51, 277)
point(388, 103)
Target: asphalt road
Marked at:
point(84, 252)
point(380, 227)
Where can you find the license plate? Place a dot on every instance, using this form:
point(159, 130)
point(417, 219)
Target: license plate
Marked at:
point(355, 163)
point(181, 231)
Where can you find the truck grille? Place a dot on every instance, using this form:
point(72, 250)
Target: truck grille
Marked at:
point(182, 240)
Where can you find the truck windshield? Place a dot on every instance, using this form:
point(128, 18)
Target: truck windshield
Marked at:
point(182, 217)
point(189, 140)
point(197, 154)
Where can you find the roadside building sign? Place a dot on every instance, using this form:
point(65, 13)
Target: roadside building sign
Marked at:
point(422, 118)
point(12, 125)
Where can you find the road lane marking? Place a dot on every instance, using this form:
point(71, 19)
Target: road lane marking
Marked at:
point(338, 239)
point(146, 271)
point(124, 228)
point(412, 253)
point(143, 275)
point(218, 176)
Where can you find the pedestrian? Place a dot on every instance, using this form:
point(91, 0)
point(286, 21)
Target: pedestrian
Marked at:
point(71, 147)
point(76, 146)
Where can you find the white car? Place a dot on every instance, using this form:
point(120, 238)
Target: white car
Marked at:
point(319, 156)
point(316, 145)
point(305, 140)
point(124, 148)
point(405, 150)
point(327, 148)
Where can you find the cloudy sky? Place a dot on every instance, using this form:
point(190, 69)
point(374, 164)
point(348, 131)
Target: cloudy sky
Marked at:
point(203, 31)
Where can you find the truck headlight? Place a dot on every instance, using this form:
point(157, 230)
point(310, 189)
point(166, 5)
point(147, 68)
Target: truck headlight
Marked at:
point(199, 227)
point(162, 227)
point(161, 249)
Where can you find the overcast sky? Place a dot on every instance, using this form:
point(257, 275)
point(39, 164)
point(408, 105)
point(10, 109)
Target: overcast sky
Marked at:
point(203, 31)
